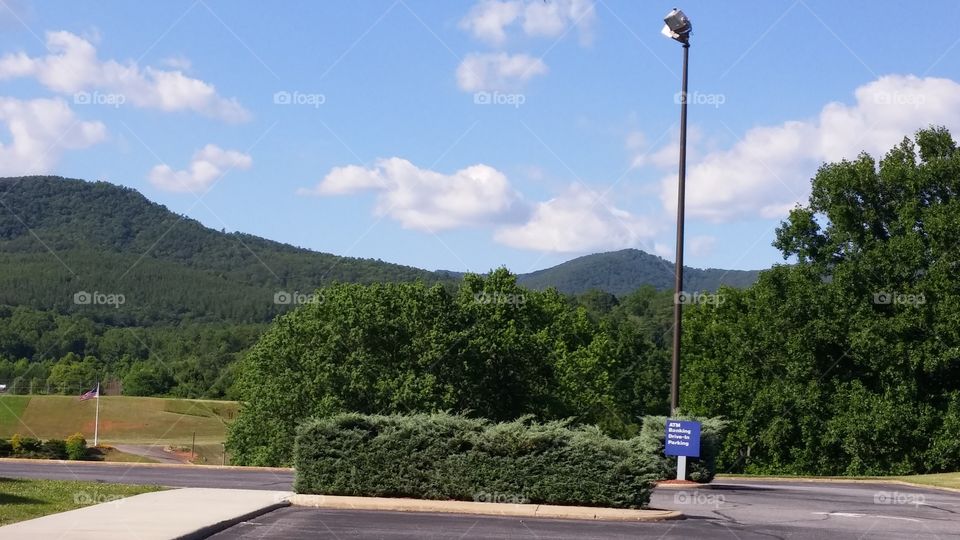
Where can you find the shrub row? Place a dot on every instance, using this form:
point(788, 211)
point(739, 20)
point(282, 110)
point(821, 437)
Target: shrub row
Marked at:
point(74, 447)
point(444, 456)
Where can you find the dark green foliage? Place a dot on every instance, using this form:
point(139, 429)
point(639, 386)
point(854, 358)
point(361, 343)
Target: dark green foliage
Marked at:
point(494, 350)
point(27, 447)
point(622, 272)
point(847, 362)
point(441, 456)
point(147, 380)
point(54, 449)
point(702, 469)
point(46, 352)
point(169, 268)
point(76, 447)
point(6, 449)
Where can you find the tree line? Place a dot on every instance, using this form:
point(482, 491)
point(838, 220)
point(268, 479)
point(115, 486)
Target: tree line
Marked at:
point(846, 360)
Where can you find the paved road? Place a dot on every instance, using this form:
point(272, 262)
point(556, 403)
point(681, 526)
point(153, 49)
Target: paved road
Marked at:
point(733, 510)
point(163, 475)
point(729, 509)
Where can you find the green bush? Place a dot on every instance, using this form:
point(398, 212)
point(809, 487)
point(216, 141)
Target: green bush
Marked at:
point(76, 447)
point(16, 443)
point(5, 448)
point(702, 469)
point(54, 449)
point(27, 447)
point(443, 456)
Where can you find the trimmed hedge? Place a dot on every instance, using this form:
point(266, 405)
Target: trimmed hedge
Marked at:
point(443, 456)
point(701, 469)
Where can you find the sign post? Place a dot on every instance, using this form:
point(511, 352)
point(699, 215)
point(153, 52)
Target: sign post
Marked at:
point(682, 439)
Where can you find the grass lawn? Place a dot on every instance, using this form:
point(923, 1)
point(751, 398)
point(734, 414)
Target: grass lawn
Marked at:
point(28, 499)
point(949, 480)
point(123, 419)
point(11, 410)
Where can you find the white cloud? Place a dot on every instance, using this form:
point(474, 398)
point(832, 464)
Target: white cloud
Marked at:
point(768, 171)
point(427, 200)
point(551, 19)
point(489, 20)
point(40, 130)
point(72, 67)
point(181, 63)
point(578, 221)
point(664, 250)
point(497, 71)
point(701, 246)
point(207, 165)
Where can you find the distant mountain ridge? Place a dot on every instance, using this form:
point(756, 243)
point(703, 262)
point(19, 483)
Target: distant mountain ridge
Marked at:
point(62, 236)
point(624, 271)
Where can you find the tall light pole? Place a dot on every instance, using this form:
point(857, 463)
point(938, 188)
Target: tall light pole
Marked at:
point(679, 27)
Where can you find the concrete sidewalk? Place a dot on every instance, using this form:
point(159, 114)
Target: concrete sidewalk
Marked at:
point(176, 513)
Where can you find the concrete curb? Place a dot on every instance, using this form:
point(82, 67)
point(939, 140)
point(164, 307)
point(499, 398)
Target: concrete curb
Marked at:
point(382, 504)
point(833, 480)
point(213, 529)
point(126, 464)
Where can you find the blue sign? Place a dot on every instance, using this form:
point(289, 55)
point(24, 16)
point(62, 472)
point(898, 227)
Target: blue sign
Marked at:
point(682, 438)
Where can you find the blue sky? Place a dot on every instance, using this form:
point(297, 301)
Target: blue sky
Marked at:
point(469, 135)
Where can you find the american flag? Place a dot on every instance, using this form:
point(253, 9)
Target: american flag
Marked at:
point(91, 394)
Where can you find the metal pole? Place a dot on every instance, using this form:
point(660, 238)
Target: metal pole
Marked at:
point(96, 422)
point(678, 270)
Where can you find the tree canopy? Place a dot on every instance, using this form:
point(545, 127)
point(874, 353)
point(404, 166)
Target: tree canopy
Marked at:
point(847, 362)
point(492, 349)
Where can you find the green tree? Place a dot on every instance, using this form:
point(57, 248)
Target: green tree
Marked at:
point(848, 361)
point(492, 349)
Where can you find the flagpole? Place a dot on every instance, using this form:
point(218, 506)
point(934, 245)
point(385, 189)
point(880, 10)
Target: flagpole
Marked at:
point(96, 423)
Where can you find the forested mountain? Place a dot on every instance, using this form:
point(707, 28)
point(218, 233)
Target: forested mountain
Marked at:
point(624, 271)
point(60, 237)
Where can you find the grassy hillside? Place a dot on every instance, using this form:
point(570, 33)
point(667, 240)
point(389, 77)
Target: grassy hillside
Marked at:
point(123, 419)
point(622, 272)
